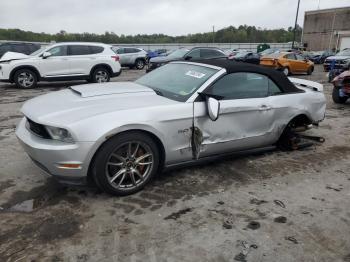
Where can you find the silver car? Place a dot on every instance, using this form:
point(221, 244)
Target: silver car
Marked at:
point(121, 134)
point(131, 57)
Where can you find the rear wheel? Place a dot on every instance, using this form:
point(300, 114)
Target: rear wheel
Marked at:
point(337, 98)
point(100, 75)
point(126, 163)
point(25, 79)
point(139, 64)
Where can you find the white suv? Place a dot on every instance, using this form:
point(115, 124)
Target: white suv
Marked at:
point(61, 62)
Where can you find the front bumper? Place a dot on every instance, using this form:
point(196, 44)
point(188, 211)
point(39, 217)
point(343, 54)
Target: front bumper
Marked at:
point(50, 155)
point(327, 66)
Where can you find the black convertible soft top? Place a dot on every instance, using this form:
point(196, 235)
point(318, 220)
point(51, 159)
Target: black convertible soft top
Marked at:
point(234, 67)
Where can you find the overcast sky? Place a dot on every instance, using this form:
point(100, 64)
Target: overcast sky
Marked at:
point(172, 17)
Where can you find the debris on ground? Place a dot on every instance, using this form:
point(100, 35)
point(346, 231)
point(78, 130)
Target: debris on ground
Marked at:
point(221, 202)
point(280, 219)
point(227, 225)
point(292, 239)
point(279, 203)
point(253, 225)
point(178, 214)
point(334, 188)
point(256, 201)
point(246, 248)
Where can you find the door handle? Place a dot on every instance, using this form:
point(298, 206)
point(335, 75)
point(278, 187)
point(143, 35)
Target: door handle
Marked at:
point(64, 59)
point(264, 108)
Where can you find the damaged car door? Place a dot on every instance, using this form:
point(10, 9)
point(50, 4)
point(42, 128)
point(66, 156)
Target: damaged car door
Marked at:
point(245, 117)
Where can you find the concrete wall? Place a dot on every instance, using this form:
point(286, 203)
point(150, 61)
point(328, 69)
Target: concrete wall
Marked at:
point(321, 28)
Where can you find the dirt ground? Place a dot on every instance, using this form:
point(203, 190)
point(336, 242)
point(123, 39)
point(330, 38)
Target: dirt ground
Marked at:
point(275, 206)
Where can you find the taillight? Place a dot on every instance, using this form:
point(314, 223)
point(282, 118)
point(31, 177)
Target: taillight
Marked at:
point(115, 57)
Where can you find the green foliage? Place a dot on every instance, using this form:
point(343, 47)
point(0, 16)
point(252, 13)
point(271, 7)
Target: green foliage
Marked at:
point(231, 34)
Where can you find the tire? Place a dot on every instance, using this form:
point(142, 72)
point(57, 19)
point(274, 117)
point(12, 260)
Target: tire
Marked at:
point(310, 70)
point(286, 71)
point(117, 172)
point(25, 79)
point(139, 64)
point(336, 98)
point(100, 75)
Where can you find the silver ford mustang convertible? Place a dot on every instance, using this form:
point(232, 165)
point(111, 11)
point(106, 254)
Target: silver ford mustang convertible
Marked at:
point(121, 134)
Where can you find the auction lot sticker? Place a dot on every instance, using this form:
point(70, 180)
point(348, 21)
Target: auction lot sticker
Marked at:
point(195, 74)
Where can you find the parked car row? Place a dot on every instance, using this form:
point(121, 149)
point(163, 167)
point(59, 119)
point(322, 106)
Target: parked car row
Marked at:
point(61, 62)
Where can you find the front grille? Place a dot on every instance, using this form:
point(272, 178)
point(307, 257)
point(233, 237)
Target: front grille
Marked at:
point(38, 129)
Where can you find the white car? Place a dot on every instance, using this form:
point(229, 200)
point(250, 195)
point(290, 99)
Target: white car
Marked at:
point(94, 62)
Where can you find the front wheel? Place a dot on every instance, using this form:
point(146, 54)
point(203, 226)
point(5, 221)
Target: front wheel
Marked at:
point(126, 163)
point(100, 75)
point(286, 71)
point(337, 98)
point(310, 70)
point(25, 79)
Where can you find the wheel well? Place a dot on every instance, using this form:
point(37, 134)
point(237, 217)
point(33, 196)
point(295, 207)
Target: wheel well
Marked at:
point(140, 58)
point(32, 68)
point(300, 120)
point(154, 138)
point(108, 67)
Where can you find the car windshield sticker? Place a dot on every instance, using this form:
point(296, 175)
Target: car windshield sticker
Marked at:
point(195, 74)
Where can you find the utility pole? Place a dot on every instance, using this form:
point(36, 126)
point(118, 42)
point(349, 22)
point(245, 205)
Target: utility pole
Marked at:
point(213, 34)
point(295, 25)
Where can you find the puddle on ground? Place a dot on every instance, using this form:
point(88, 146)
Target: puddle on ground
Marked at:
point(49, 194)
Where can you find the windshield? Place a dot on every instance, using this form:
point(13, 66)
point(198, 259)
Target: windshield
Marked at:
point(178, 53)
point(38, 51)
point(345, 52)
point(177, 81)
point(268, 51)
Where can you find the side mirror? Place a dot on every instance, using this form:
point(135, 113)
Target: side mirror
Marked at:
point(188, 57)
point(46, 55)
point(213, 108)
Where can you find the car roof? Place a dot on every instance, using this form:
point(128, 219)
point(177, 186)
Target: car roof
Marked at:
point(235, 67)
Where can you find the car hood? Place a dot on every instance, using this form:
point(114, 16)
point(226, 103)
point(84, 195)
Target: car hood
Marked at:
point(340, 57)
point(70, 106)
point(163, 59)
point(8, 56)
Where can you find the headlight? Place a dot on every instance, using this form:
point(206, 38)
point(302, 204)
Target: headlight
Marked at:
point(60, 134)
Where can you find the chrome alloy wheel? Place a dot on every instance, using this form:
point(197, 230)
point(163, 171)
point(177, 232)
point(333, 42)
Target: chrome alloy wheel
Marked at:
point(129, 165)
point(26, 79)
point(101, 76)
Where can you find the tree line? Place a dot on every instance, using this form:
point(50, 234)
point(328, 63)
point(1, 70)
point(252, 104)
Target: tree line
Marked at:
point(231, 34)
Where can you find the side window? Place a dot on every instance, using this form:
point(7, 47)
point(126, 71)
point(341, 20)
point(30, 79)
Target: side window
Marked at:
point(19, 48)
point(135, 50)
point(194, 54)
point(96, 49)
point(58, 50)
point(274, 89)
point(240, 86)
point(4, 48)
point(299, 57)
point(210, 53)
point(291, 56)
point(79, 50)
point(120, 51)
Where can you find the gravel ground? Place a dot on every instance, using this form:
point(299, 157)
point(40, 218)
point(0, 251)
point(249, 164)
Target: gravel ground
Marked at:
point(276, 206)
